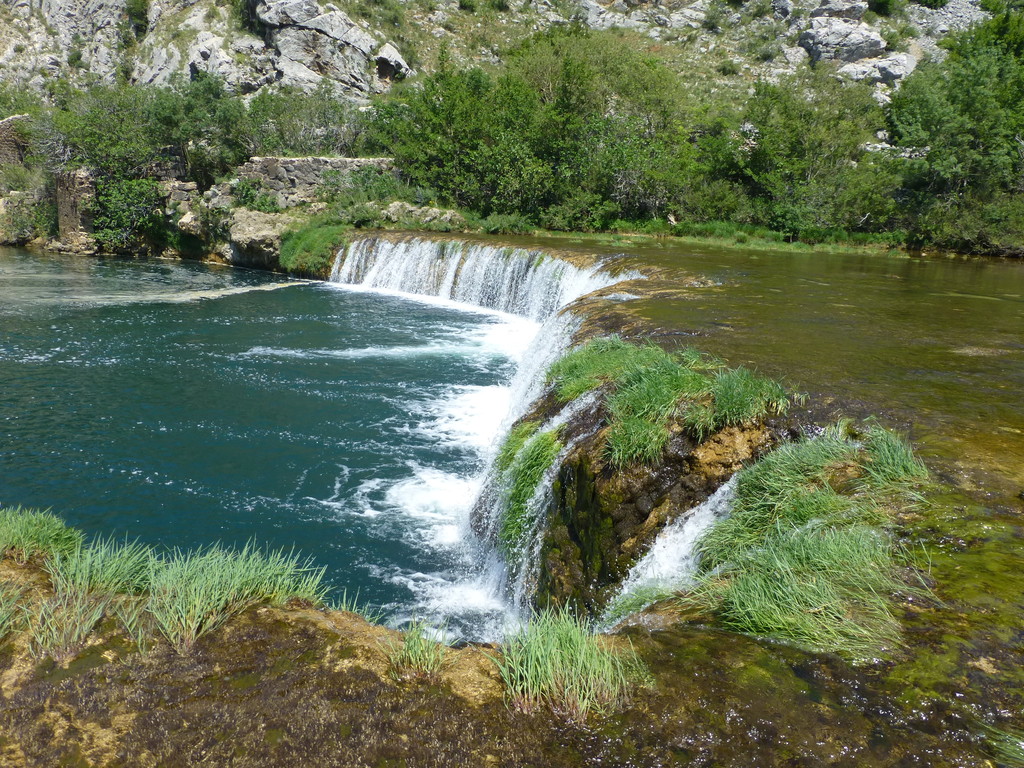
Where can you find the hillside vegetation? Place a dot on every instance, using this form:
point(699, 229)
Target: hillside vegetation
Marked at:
point(588, 131)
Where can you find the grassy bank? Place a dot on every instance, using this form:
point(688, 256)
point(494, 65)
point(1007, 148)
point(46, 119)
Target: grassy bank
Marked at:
point(651, 390)
point(807, 554)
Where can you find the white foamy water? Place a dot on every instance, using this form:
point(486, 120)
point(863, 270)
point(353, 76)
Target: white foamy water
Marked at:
point(524, 293)
point(671, 562)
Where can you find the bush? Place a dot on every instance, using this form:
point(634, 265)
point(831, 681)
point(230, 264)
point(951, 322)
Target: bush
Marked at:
point(250, 194)
point(556, 662)
point(312, 250)
point(128, 212)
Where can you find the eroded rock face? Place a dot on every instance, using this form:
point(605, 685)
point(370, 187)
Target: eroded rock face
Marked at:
point(255, 238)
point(313, 46)
point(841, 40)
point(603, 519)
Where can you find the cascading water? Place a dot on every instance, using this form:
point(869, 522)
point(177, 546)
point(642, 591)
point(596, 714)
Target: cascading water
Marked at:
point(526, 293)
point(671, 562)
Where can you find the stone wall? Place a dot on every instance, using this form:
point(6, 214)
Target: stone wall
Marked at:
point(12, 145)
point(76, 193)
point(294, 180)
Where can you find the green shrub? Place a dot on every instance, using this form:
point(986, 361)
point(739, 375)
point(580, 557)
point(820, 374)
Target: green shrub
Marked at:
point(520, 480)
point(506, 224)
point(250, 194)
point(28, 532)
point(312, 250)
point(556, 662)
point(128, 212)
point(138, 16)
point(417, 656)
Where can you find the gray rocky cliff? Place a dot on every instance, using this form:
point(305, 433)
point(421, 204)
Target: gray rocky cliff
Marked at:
point(306, 43)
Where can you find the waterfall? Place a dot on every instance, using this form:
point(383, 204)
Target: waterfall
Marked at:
point(530, 293)
point(671, 562)
point(529, 284)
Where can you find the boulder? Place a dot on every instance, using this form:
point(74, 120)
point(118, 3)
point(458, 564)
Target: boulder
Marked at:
point(888, 70)
point(841, 9)
point(838, 39)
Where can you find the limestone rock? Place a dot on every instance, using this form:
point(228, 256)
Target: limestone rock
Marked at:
point(886, 70)
point(842, 40)
point(841, 9)
point(255, 238)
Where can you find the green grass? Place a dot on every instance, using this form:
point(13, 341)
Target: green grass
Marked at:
point(60, 624)
point(182, 595)
point(514, 443)
point(102, 567)
point(598, 362)
point(633, 601)
point(193, 593)
point(652, 388)
point(10, 613)
point(28, 532)
point(805, 555)
point(1006, 745)
point(520, 480)
point(311, 250)
point(351, 604)
point(819, 587)
point(892, 463)
point(556, 662)
point(417, 656)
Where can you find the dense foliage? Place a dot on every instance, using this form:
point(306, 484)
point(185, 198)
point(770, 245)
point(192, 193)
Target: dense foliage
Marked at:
point(581, 130)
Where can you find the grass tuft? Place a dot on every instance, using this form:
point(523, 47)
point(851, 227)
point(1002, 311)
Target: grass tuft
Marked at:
point(555, 661)
point(514, 443)
point(824, 588)
point(418, 656)
point(10, 614)
point(28, 532)
point(892, 463)
point(194, 593)
point(598, 362)
point(104, 567)
point(804, 555)
point(521, 479)
point(652, 387)
point(60, 624)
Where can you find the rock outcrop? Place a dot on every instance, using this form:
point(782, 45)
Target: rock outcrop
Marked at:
point(831, 38)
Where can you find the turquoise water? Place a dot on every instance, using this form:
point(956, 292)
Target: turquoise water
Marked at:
point(186, 404)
